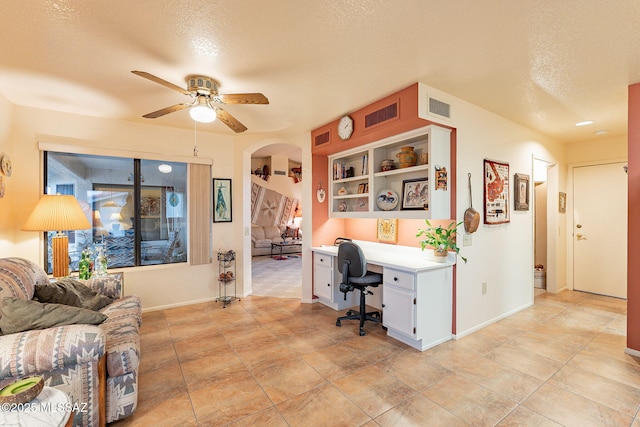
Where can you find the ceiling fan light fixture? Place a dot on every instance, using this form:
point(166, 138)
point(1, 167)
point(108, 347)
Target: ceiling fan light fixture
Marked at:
point(202, 114)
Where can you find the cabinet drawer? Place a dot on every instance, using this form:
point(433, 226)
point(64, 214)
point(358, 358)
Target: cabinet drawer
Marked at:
point(320, 259)
point(400, 279)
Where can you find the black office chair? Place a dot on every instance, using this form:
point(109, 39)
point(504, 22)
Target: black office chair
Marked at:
point(353, 266)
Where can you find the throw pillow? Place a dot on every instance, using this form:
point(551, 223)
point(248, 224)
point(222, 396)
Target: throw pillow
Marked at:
point(20, 315)
point(70, 292)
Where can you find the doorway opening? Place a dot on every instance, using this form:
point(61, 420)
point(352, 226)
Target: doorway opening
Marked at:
point(276, 215)
point(547, 240)
point(540, 194)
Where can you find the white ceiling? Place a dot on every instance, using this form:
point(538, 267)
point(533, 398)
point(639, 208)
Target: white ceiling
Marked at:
point(546, 64)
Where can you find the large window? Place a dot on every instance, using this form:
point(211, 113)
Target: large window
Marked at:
point(137, 207)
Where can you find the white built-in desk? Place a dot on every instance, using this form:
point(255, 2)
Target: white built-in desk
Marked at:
point(415, 298)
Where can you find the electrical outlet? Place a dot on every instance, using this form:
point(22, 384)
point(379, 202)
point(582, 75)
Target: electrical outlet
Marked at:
point(484, 288)
point(466, 240)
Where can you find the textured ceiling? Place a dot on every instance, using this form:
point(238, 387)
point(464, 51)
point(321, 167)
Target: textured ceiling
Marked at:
point(546, 64)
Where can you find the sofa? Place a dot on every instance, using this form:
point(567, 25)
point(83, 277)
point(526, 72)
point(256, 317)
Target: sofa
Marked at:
point(96, 365)
point(262, 236)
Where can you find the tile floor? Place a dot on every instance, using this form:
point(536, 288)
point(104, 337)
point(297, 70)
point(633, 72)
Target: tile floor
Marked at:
point(268, 361)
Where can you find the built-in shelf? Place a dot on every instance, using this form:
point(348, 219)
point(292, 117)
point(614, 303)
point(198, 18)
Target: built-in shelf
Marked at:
point(359, 172)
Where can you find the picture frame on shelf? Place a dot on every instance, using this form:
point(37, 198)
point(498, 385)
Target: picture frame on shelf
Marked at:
point(415, 193)
point(361, 188)
point(521, 192)
point(362, 204)
point(222, 203)
point(496, 192)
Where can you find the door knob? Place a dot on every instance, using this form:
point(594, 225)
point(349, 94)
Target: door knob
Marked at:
point(580, 236)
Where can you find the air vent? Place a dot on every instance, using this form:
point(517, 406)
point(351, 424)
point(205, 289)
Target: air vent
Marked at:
point(323, 138)
point(439, 108)
point(279, 172)
point(381, 115)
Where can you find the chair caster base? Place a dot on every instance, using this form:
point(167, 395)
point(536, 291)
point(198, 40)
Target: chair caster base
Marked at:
point(361, 332)
point(338, 323)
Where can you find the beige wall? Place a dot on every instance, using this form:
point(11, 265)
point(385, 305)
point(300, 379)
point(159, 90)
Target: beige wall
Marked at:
point(614, 148)
point(158, 286)
point(501, 255)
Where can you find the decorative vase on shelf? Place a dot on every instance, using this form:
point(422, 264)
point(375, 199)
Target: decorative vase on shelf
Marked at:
point(407, 157)
point(387, 165)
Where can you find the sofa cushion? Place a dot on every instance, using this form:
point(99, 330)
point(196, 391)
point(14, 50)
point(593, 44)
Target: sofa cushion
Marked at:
point(257, 233)
point(263, 243)
point(18, 278)
point(70, 292)
point(123, 345)
point(23, 315)
point(272, 232)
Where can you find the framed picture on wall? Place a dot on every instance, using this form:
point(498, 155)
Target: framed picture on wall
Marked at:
point(521, 192)
point(562, 202)
point(387, 230)
point(222, 200)
point(496, 192)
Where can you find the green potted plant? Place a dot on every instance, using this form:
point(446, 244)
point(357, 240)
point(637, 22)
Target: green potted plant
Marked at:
point(440, 239)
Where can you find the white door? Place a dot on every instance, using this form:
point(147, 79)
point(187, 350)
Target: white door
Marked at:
point(600, 229)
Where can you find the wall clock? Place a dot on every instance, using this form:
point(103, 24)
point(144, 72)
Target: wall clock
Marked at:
point(345, 127)
point(5, 165)
point(387, 230)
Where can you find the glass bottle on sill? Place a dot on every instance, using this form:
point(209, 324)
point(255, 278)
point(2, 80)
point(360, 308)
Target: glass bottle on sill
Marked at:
point(101, 263)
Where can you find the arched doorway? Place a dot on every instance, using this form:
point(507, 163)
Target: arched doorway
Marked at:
point(273, 213)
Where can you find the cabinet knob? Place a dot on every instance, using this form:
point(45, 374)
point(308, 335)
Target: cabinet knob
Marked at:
point(329, 284)
point(321, 259)
point(383, 305)
point(395, 279)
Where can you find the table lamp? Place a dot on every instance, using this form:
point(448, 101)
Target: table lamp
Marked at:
point(58, 213)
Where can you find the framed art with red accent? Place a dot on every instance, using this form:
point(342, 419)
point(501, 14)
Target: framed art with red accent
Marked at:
point(496, 192)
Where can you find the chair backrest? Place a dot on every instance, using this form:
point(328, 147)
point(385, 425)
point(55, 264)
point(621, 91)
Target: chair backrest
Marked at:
point(350, 252)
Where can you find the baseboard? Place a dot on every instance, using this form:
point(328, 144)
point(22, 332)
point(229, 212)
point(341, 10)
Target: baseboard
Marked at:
point(489, 322)
point(632, 352)
point(181, 304)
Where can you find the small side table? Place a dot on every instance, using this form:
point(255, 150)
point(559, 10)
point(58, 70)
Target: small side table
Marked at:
point(52, 408)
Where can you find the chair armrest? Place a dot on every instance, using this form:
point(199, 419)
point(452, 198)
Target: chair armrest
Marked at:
point(38, 351)
point(110, 285)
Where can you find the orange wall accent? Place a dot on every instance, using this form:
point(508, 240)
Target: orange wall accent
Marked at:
point(325, 230)
point(633, 245)
point(408, 120)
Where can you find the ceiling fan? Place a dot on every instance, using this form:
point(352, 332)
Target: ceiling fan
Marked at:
point(205, 100)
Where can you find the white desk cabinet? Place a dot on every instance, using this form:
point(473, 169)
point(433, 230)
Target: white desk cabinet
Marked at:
point(417, 309)
point(326, 282)
point(417, 299)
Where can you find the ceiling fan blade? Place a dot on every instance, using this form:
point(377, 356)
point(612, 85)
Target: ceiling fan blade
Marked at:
point(244, 98)
point(230, 121)
point(161, 81)
point(166, 110)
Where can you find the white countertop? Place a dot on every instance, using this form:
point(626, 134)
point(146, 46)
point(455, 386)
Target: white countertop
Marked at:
point(411, 259)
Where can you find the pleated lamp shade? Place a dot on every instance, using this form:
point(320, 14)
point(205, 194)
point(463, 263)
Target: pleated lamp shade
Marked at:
point(58, 213)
